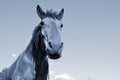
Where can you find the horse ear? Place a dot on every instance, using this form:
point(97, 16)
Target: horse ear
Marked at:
point(40, 12)
point(60, 14)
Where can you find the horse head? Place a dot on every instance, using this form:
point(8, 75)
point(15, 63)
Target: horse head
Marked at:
point(50, 28)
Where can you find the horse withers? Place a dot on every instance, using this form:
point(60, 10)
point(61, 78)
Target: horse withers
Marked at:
point(46, 43)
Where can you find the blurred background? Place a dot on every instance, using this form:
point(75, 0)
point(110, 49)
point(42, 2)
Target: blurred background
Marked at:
point(91, 36)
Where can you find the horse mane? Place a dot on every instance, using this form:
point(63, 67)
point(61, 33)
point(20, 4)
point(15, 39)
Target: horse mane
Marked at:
point(39, 54)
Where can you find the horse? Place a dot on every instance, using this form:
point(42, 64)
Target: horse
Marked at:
point(32, 63)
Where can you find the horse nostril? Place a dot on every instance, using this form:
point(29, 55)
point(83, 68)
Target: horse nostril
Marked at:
point(50, 44)
point(61, 43)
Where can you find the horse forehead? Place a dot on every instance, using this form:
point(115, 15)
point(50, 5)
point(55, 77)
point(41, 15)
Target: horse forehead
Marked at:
point(52, 25)
point(51, 21)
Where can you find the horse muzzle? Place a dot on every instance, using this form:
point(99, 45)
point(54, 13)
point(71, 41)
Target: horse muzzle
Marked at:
point(54, 51)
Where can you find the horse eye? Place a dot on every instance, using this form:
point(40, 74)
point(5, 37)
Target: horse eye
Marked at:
point(42, 23)
point(61, 25)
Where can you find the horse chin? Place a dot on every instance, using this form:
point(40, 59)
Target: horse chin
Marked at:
point(54, 56)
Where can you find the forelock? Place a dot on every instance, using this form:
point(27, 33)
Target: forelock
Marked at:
point(52, 14)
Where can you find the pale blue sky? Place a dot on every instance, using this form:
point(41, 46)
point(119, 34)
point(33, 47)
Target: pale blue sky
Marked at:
point(91, 35)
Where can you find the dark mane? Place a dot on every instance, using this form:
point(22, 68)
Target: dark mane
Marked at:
point(39, 54)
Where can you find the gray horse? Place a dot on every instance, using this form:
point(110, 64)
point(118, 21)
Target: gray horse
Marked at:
point(46, 43)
